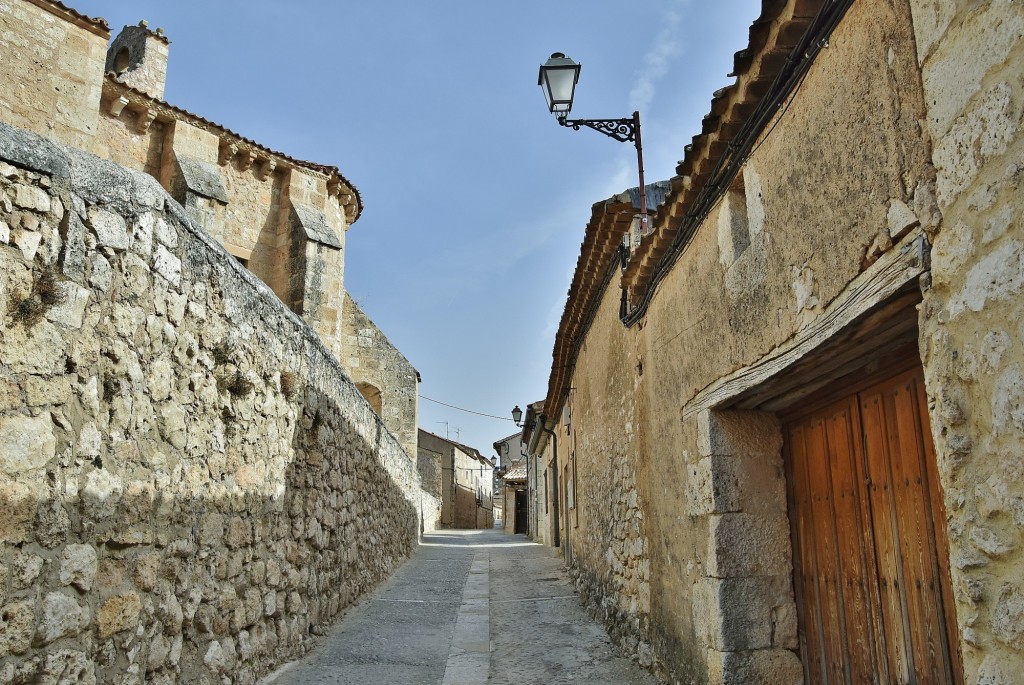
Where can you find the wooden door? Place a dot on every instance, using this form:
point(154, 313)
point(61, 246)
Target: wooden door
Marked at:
point(869, 539)
point(522, 511)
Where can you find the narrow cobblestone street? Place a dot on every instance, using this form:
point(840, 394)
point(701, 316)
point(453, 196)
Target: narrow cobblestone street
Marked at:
point(469, 607)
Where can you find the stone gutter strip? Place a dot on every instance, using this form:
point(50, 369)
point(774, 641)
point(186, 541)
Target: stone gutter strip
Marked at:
point(469, 660)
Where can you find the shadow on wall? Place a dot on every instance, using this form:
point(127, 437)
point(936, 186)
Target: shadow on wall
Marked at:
point(191, 487)
point(469, 511)
point(229, 585)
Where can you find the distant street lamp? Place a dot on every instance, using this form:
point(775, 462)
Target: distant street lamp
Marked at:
point(558, 77)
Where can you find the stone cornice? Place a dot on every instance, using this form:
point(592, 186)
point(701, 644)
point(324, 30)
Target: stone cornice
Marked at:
point(96, 25)
point(232, 145)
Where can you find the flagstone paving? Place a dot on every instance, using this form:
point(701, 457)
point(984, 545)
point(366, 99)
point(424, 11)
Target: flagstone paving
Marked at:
point(468, 608)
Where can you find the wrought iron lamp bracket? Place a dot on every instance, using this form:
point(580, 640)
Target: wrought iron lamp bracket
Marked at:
point(622, 130)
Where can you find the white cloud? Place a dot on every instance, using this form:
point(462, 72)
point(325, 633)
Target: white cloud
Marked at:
point(658, 58)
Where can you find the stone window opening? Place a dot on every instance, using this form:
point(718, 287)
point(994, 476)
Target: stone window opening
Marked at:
point(371, 394)
point(121, 61)
point(733, 223)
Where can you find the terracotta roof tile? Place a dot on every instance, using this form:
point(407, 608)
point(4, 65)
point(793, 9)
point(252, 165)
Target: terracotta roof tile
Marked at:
point(771, 39)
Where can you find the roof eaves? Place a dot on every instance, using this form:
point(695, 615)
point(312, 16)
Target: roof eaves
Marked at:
point(172, 112)
point(96, 25)
point(771, 38)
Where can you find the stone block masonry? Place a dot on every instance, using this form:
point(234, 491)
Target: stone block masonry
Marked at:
point(191, 487)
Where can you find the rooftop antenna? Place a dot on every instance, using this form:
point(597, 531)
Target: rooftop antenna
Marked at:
point(445, 428)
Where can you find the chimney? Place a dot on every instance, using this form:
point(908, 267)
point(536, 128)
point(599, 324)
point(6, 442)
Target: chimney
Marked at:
point(138, 56)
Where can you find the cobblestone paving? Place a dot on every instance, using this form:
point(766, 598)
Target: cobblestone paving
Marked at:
point(419, 626)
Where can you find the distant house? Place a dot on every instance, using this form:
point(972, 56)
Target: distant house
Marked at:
point(515, 499)
point(461, 477)
point(508, 450)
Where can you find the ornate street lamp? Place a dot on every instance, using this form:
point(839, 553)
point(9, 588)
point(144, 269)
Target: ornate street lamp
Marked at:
point(558, 77)
point(517, 415)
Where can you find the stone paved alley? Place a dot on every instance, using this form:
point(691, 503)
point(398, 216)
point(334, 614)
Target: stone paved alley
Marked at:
point(469, 607)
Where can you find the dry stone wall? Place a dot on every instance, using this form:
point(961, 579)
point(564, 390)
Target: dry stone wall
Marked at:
point(190, 486)
point(972, 323)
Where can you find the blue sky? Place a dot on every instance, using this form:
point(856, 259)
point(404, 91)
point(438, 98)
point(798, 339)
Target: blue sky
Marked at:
point(475, 199)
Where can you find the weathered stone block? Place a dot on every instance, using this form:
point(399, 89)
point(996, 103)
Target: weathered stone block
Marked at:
point(31, 197)
point(738, 434)
point(61, 617)
point(27, 567)
point(70, 312)
point(17, 620)
point(67, 667)
point(110, 229)
point(169, 266)
point(736, 614)
point(118, 613)
point(1008, 618)
point(78, 566)
point(38, 350)
point(28, 242)
point(712, 486)
point(748, 545)
point(775, 666)
point(147, 568)
point(29, 443)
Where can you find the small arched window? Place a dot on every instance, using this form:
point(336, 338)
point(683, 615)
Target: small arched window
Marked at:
point(121, 61)
point(372, 395)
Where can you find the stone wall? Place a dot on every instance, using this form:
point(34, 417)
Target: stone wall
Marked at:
point(370, 358)
point(191, 487)
point(52, 70)
point(429, 464)
point(972, 319)
point(903, 138)
point(286, 219)
point(610, 550)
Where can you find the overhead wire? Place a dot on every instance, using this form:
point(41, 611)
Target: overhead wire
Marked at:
point(468, 411)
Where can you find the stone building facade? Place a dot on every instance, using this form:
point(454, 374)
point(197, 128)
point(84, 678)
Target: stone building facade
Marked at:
point(192, 486)
point(284, 219)
point(460, 477)
point(383, 375)
point(795, 449)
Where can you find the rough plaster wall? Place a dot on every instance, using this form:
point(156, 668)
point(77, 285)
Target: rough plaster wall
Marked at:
point(428, 463)
point(369, 357)
point(972, 322)
point(822, 191)
point(610, 547)
point(54, 87)
point(191, 487)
